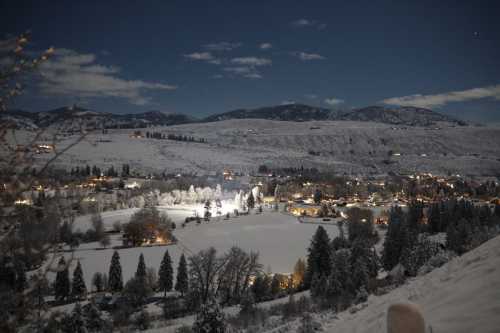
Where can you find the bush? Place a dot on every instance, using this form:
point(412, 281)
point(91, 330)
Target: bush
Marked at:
point(142, 321)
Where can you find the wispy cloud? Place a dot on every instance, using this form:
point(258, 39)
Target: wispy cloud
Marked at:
point(266, 46)
point(311, 96)
point(304, 56)
point(287, 102)
point(69, 73)
point(301, 23)
point(251, 61)
point(221, 46)
point(244, 71)
point(438, 100)
point(203, 56)
point(333, 101)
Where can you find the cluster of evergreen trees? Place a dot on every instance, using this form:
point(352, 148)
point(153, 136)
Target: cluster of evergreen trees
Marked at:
point(340, 271)
point(136, 289)
point(162, 136)
point(86, 171)
point(466, 226)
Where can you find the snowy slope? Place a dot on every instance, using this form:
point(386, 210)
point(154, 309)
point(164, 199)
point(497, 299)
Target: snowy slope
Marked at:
point(342, 146)
point(461, 296)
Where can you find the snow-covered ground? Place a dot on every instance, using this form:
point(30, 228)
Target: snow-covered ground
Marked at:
point(461, 296)
point(344, 146)
point(279, 238)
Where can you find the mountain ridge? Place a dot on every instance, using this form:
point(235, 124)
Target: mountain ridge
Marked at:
point(74, 116)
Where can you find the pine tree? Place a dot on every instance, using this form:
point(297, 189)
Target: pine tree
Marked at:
point(182, 276)
point(319, 257)
point(275, 285)
point(250, 201)
point(393, 243)
point(141, 268)
point(166, 274)
point(115, 279)
point(78, 287)
point(74, 323)
point(62, 280)
point(93, 318)
point(210, 319)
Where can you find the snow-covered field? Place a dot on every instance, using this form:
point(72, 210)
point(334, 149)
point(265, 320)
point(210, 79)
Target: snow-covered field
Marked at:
point(279, 238)
point(342, 146)
point(461, 296)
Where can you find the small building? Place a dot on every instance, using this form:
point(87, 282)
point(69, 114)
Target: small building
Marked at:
point(304, 210)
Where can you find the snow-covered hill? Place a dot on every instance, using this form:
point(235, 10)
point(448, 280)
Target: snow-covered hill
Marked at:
point(339, 146)
point(461, 296)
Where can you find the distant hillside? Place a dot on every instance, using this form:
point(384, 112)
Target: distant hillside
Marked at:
point(288, 112)
point(73, 118)
point(410, 116)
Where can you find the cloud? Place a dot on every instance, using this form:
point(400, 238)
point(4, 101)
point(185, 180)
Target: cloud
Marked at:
point(203, 56)
point(266, 46)
point(69, 73)
point(308, 56)
point(217, 76)
point(301, 23)
point(238, 70)
point(199, 56)
point(311, 96)
point(221, 46)
point(251, 61)
point(438, 100)
point(287, 102)
point(333, 101)
point(253, 76)
point(244, 71)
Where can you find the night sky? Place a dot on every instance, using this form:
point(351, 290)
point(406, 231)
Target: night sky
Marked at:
point(204, 57)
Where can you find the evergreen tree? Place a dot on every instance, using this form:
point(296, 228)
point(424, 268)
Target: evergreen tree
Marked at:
point(393, 243)
point(250, 201)
point(115, 279)
point(78, 287)
point(74, 323)
point(260, 287)
point(181, 284)
point(93, 318)
point(62, 285)
point(275, 285)
point(210, 319)
point(319, 257)
point(166, 274)
point(141, 268)
point(319, 286)
point(97, 282)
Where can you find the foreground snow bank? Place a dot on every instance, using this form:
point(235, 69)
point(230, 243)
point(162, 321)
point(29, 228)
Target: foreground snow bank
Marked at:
point(461, 296)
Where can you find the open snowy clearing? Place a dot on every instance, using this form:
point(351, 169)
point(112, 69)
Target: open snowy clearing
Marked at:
point(279, 238)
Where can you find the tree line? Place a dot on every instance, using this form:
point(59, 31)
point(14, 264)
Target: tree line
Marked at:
point(180, 137)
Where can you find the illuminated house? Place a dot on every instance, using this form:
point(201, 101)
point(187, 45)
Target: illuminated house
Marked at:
point(304, 210)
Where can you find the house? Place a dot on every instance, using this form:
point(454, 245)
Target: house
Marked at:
point(304, 210)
